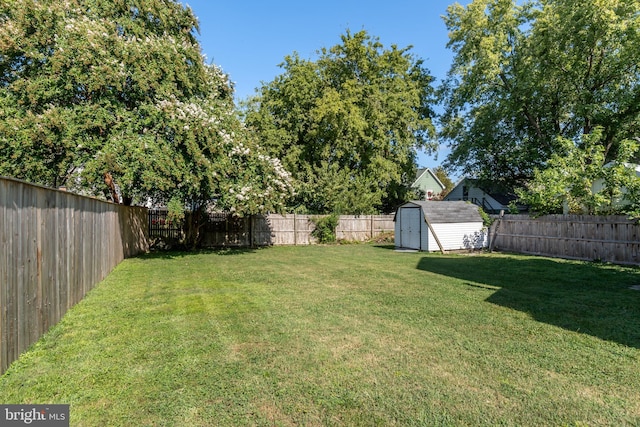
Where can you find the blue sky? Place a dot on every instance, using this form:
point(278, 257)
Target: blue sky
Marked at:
point(248, 39)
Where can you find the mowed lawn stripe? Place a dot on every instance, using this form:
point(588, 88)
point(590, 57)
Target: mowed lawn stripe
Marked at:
point(343, 335)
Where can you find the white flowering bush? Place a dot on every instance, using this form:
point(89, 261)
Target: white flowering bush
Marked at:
point(117, 101)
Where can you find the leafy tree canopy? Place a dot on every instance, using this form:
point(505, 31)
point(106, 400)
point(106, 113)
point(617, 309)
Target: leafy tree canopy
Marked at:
point(444, 178)
point(527, 76)
point(348, 124)
point(577, 180)
point(115, 98)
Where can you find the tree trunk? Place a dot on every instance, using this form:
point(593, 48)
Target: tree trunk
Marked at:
point(108, 179)
point(192, 225)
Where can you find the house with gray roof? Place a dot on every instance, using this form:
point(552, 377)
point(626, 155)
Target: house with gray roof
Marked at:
point(491, 197)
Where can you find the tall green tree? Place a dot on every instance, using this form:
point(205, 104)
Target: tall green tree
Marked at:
point(115, 98)
point(579, 180)
point(444, 178)
point(73, 73)
point(348, 124)
point(527, 73)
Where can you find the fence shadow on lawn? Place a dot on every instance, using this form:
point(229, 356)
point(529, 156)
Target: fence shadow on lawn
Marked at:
point(589, 298)
point(174, 254)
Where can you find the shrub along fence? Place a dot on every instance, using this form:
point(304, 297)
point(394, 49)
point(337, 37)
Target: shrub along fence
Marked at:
point(293, 229)
point(223, 230)
point(56, 246)
point(613, 239)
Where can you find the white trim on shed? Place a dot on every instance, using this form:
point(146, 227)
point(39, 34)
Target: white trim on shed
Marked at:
point(457, 225)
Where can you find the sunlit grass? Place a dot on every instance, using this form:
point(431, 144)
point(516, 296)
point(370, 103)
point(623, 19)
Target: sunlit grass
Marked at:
point(344, 335)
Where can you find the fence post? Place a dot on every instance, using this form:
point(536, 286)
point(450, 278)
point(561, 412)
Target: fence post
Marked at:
point(492, 241)
point(371, 235)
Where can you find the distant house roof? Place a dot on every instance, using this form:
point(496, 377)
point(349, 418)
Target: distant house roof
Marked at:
point(446, 212)
point(497, 192)
point(420, 174)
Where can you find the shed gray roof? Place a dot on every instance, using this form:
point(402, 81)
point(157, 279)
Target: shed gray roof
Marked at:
point(446, 212)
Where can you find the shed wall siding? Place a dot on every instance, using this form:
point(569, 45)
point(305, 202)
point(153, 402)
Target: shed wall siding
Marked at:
point(465, 235)
point(425, 236)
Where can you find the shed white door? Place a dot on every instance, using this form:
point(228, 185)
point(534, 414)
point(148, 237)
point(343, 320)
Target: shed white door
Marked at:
point(410, 228)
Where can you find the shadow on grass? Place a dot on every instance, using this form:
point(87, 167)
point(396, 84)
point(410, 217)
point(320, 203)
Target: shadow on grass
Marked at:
point(182, 254)
point(385, 246)
point(589, 298)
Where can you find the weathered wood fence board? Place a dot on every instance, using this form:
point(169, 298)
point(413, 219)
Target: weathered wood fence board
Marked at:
point(363, 227)
point(606, 238)
point(291, 229)
point(224, 230)
point(55, 247)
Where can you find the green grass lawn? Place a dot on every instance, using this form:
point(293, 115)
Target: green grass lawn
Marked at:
point(344, 335)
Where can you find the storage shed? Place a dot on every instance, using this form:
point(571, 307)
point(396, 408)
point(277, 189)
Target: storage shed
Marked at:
point(439, 226)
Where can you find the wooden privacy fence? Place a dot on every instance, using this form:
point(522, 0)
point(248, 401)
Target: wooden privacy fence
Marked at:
point(55, 247)
point(293, 229)
point(584, 237)
point(223, 230)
